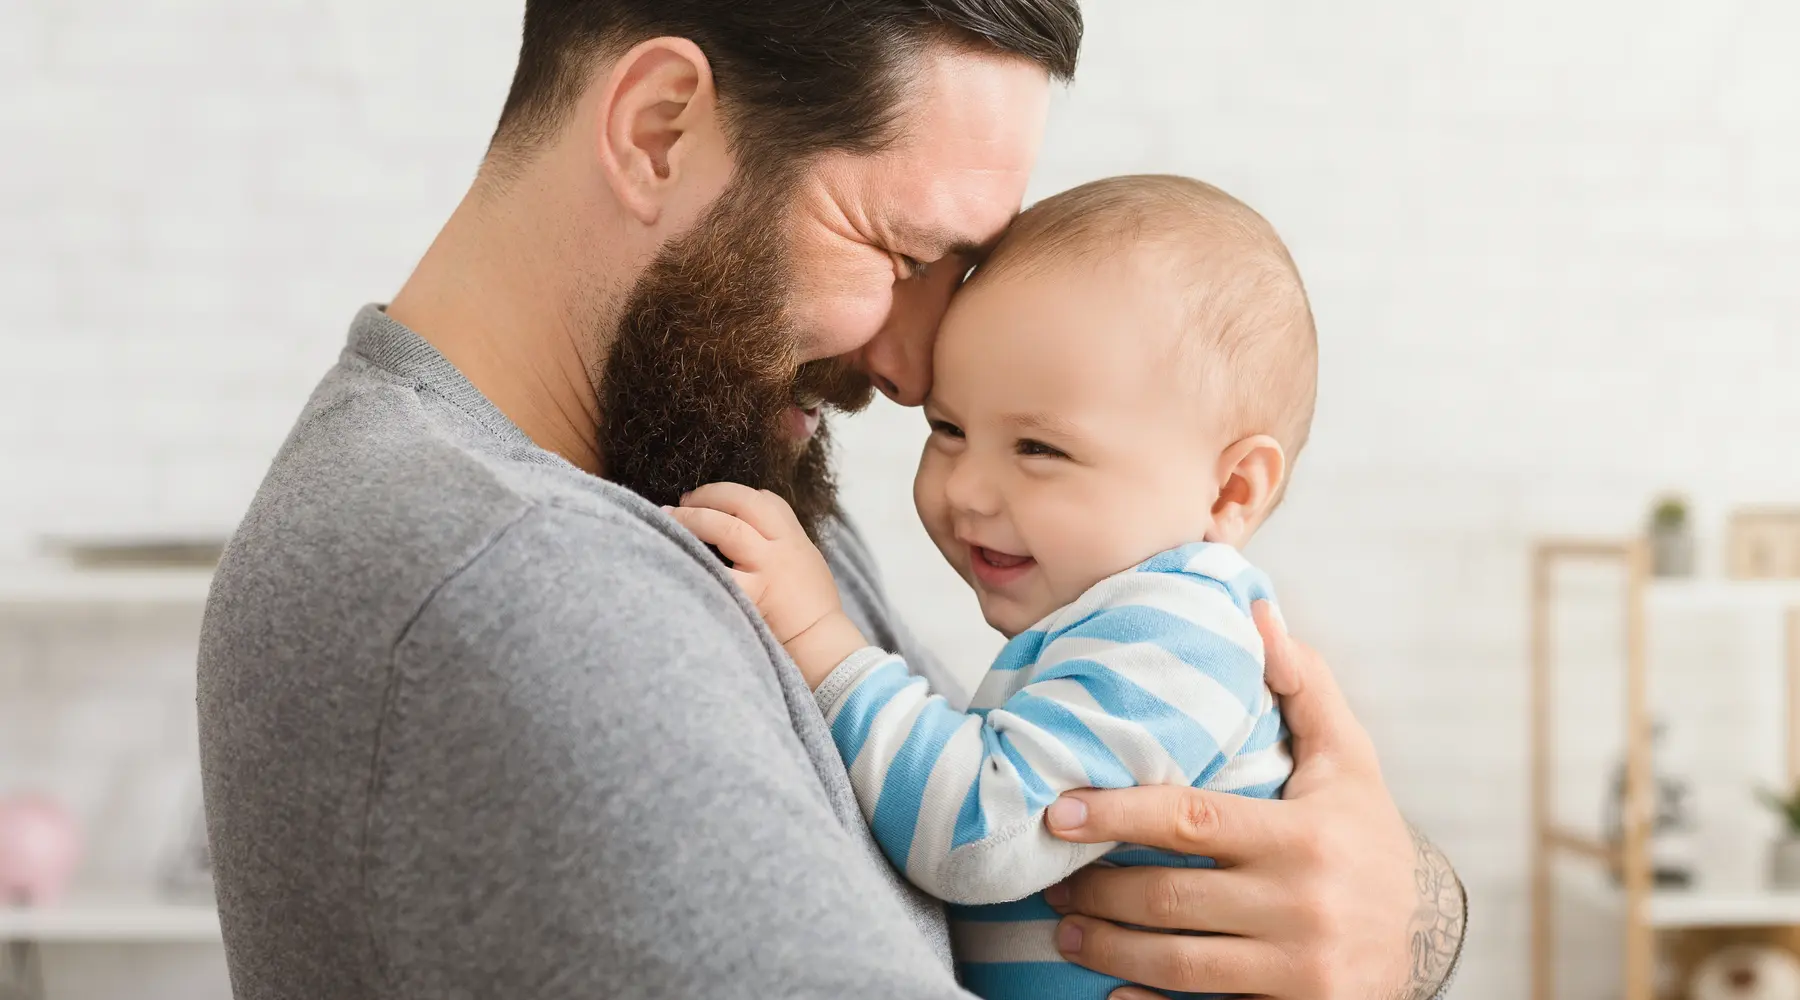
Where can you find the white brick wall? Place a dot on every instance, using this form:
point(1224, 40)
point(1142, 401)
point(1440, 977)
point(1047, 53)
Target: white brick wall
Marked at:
point(1551, 246)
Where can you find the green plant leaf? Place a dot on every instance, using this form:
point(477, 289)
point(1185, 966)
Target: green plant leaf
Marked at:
point(1787, 806)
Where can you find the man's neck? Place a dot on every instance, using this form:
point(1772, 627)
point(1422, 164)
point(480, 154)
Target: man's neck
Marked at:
point(496, 294)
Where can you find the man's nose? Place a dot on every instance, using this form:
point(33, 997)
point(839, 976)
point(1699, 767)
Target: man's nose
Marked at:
point(898, 359)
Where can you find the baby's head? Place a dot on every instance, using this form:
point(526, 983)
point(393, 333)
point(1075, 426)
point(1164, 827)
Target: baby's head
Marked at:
point(1131, 370)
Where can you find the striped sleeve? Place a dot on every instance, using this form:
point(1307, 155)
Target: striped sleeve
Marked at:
point(1155, 679)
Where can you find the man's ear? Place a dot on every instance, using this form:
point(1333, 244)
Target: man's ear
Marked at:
point(658, 123)
point(1251, 472)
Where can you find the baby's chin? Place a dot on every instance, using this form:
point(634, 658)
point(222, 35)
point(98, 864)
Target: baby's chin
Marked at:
point(1006, 617)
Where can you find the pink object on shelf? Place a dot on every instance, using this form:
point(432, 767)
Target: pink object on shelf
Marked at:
point(40, 845)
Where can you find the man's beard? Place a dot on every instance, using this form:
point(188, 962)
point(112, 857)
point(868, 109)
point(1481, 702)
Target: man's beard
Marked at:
point(696, 386)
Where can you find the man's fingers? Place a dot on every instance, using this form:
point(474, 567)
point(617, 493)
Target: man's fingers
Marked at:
point(1280, 670)
point(1172, 817)
point(1220, 900)
point(760, 509)
point(1196, 964)
point(735, 540)
point(1318, 718)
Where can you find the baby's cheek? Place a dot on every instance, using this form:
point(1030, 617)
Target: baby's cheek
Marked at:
point(1088, 545)
point(922, 486)
point(928, 498)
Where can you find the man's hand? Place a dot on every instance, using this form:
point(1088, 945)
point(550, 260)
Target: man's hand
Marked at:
point(782, 572)
point(1326, 895)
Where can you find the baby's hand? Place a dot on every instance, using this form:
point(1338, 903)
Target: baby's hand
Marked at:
point(778, 568)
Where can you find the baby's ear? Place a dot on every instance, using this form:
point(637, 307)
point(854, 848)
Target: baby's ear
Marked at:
point(1251, 472)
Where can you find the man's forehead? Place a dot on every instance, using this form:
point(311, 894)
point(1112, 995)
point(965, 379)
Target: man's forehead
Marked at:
point(973, 97)
point(931, 205)
point(969, 137)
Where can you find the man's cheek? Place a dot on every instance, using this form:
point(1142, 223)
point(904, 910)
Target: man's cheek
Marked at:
point(842, 318)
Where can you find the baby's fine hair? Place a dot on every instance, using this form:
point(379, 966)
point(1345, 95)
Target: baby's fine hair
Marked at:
point(1249, 326)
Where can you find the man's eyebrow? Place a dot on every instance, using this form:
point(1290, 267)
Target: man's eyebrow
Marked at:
point(938, 243)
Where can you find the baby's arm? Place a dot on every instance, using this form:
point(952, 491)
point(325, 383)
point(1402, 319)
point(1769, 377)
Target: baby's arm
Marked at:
point(1156, 682)
point(1138, 693)
point(1159, 682)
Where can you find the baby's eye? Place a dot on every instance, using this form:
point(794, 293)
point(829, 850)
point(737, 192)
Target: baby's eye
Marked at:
point(1037, 449)
point(946, 428)
point(911, 268)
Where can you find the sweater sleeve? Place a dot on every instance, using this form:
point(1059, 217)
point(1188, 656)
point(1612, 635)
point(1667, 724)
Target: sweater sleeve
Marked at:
point(606, 798)
point(1159, 684)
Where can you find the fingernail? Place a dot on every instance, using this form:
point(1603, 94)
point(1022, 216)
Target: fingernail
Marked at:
point(1068, 938)
point(1057, 895)
point(1067, 813)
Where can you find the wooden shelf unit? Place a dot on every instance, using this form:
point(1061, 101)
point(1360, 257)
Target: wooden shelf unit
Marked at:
point(1645, 909)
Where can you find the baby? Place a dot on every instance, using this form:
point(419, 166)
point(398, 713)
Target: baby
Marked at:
point(1119, 393)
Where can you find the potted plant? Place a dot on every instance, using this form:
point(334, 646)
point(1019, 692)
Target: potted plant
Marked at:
point(1784, 853)
point(1671, 541)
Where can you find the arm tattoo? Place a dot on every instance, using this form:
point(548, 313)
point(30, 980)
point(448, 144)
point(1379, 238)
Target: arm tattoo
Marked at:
point(1437, 925)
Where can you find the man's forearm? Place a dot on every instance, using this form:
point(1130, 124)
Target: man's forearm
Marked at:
point(1438, 924)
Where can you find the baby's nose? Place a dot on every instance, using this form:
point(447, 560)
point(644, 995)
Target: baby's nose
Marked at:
point(969, 491)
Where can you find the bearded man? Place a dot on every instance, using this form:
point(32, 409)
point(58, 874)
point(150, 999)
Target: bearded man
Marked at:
point(479, 720)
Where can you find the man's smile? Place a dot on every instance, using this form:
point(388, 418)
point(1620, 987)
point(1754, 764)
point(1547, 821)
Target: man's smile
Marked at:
point(801, 422)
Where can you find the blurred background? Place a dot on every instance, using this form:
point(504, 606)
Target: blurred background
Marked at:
point(1553, 249)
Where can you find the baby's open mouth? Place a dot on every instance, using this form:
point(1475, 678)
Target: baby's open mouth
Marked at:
point(999, 560)
point(995, 569)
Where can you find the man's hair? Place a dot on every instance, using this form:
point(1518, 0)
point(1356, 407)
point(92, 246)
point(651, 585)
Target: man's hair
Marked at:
point(794, 77)
point(1249, 328)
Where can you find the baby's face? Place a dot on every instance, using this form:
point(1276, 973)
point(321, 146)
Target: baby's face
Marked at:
point(1065, 446)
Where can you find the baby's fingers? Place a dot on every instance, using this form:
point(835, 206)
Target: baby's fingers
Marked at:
point(752, 584)
point(765, 511)
point(734, 539)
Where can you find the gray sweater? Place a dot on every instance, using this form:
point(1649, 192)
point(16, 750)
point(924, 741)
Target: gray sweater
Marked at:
point(475, 723)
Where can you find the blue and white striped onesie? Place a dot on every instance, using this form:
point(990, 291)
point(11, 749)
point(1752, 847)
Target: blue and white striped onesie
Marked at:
point(1153, 676)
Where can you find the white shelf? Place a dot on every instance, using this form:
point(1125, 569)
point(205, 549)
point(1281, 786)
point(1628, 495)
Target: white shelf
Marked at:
point(1690, 908)
point(1749, 908)
point(122, 920)
point(1711, 593)
point(55, 586)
